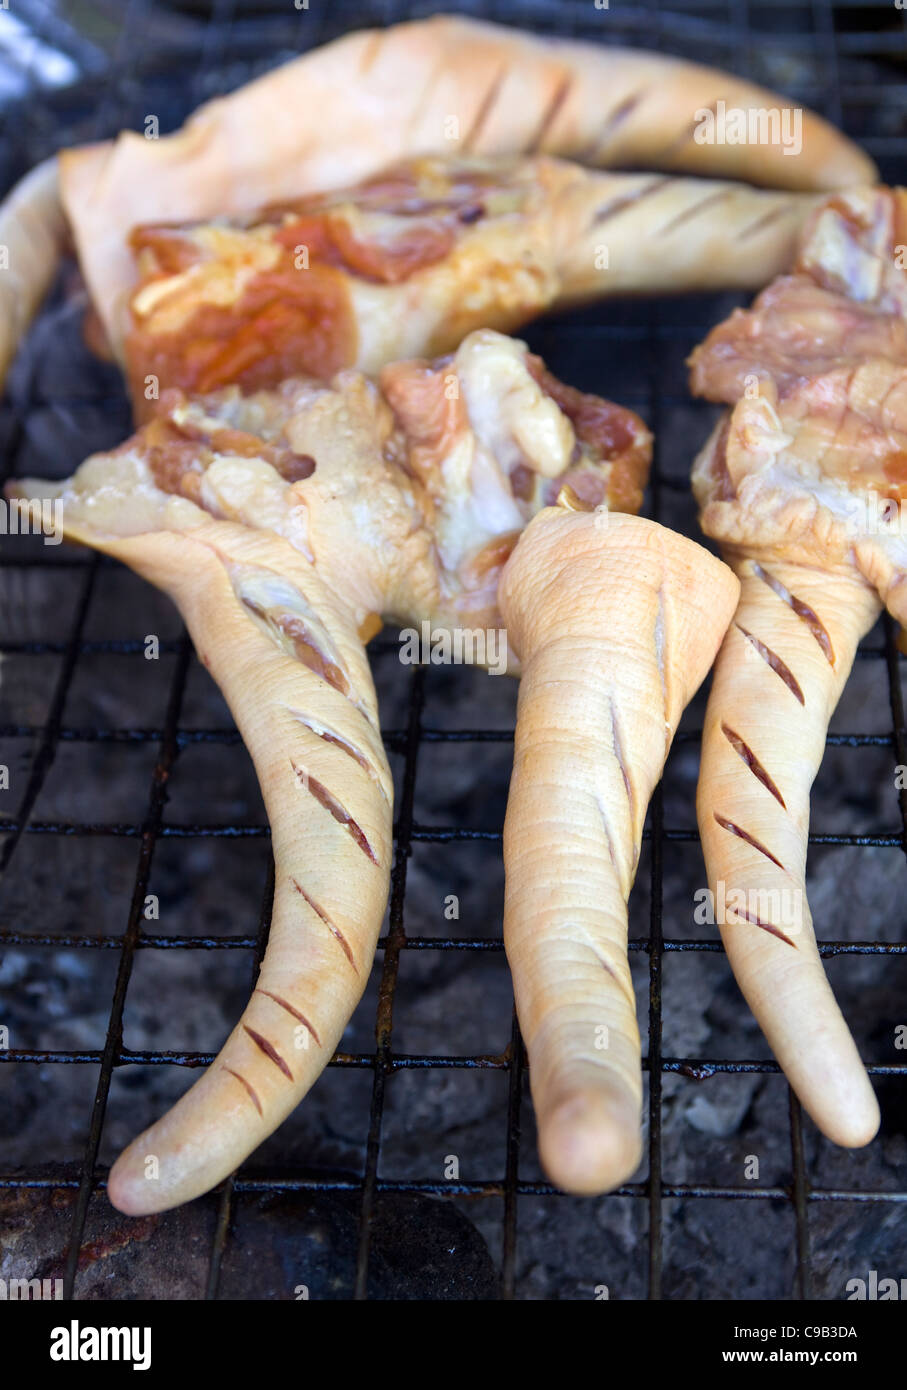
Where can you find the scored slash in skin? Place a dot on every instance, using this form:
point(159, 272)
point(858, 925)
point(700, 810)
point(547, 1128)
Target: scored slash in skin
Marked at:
point(803, 484)
point(616, 621)
point(411, 261)
point(282, 524)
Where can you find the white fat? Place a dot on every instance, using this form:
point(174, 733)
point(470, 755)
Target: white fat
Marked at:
point(191, 412)
point(845, 260)
point(115, 494)
point(252, 492)
point(761, 432)
point(491, 497)
point(479, 502)
point(513, 419)
point(857, 262)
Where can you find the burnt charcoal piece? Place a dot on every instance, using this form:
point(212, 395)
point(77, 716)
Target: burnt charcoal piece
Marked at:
point(421, 1248)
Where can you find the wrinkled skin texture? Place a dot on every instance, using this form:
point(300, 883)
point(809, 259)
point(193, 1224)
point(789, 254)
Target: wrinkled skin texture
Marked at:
point(616, 621)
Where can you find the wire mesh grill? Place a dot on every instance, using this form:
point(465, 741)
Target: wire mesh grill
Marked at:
point(853, 77)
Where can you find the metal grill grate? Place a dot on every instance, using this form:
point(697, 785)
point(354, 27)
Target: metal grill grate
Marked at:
point(843, 60)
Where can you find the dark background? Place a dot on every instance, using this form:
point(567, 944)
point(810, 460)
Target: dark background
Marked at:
point(127, 779)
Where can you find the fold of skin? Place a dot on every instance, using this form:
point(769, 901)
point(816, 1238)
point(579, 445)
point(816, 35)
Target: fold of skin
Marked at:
point(446, 85)
point(777, 680)
point(616, 621)
point(802, 482)
point(281, 548)
point(410, 262)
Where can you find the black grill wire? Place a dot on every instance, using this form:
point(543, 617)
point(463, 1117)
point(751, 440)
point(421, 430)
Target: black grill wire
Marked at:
point(237, 28)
